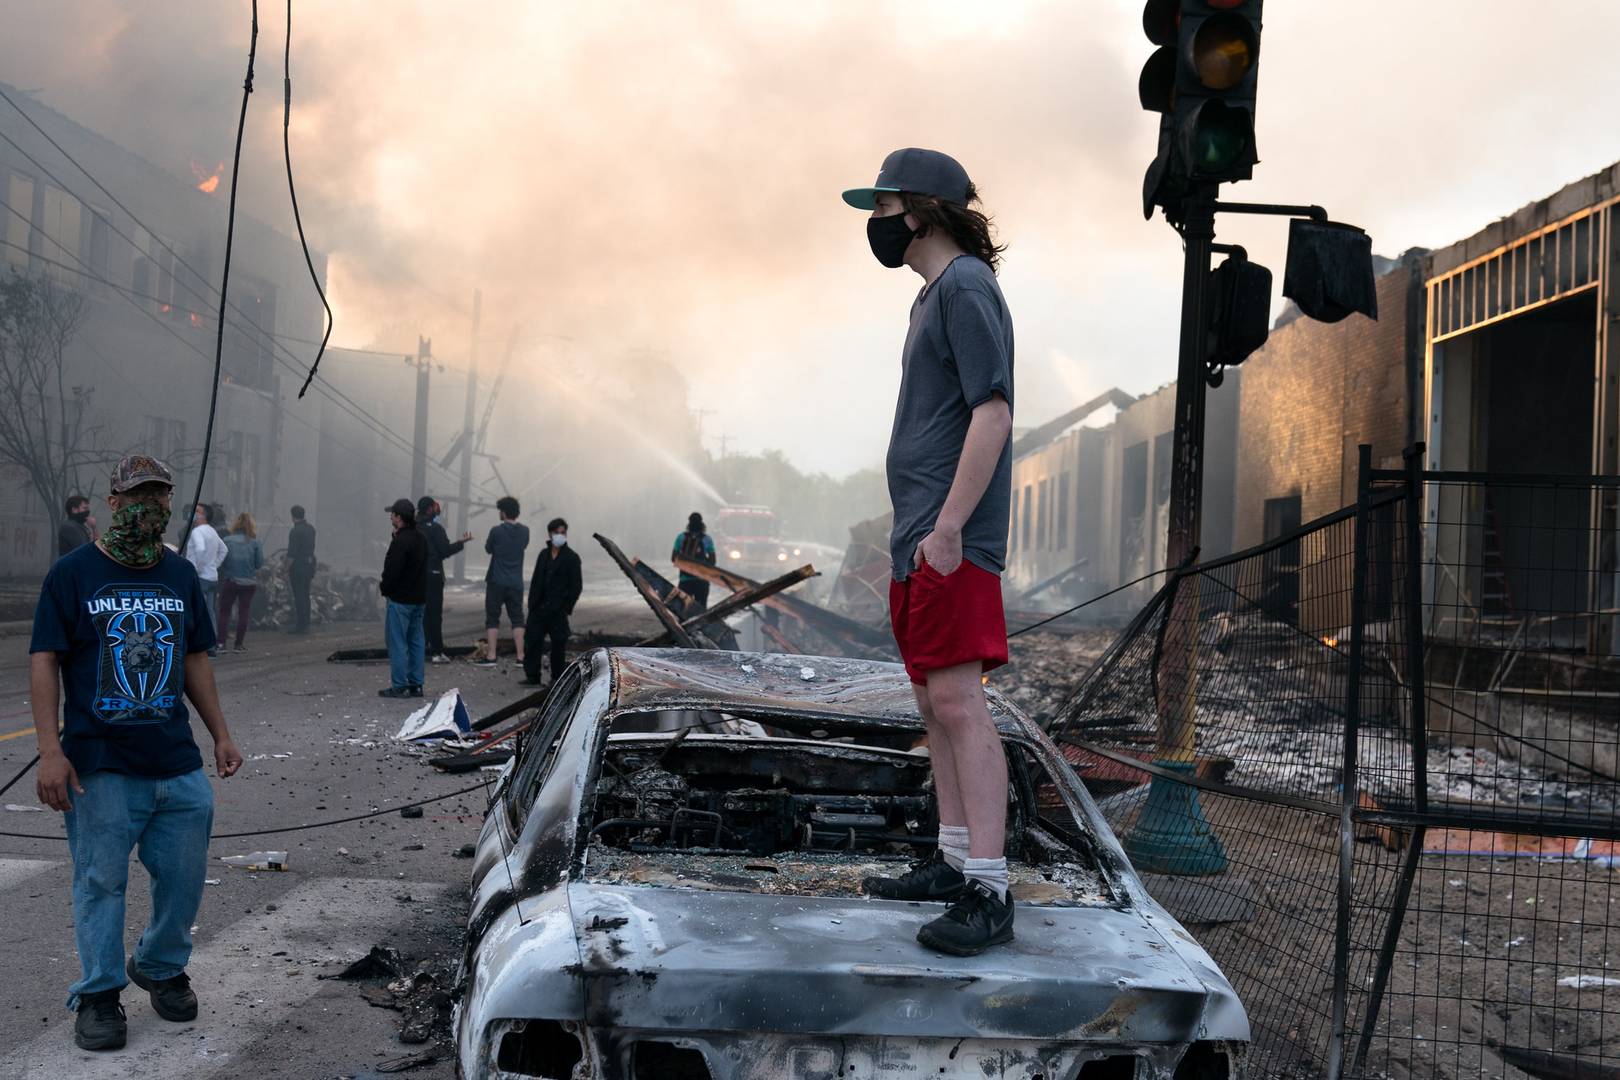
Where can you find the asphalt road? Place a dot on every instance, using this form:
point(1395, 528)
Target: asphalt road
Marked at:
point(315, 737)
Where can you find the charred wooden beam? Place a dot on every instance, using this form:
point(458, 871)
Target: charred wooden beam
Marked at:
point(672, 625)
point(737, 601)
point(1051, 581)
point(837, 627)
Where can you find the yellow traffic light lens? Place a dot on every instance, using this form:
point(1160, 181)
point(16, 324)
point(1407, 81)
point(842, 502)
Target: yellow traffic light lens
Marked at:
point(1223, 51)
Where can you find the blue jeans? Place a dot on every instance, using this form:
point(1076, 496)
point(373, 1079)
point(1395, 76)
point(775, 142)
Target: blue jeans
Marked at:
point(168, 821)
point(210, 591)
point(405, 644)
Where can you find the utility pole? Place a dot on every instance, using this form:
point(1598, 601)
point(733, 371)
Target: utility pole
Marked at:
point(464, 488)
point(423, 362)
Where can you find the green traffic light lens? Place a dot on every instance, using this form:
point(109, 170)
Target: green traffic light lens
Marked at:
point(1222, 137)
point(1223, 51)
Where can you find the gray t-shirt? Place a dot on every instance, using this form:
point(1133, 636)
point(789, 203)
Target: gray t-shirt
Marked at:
point(506, 544)
point(958, 354)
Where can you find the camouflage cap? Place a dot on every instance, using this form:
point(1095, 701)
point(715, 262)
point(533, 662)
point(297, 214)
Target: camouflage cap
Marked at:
point(133, 470)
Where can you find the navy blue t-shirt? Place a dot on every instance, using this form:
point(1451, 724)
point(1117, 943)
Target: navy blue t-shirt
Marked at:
point(122, 636)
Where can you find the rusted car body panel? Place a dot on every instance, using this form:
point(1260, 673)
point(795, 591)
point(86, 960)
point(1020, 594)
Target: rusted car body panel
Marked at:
point(774, 966)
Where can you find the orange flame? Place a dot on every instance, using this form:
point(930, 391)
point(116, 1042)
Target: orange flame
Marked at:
point(207, 182)
point(1331, 642)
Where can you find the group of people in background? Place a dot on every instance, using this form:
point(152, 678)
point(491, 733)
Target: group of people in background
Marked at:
point(228, 567)
point(413, 584)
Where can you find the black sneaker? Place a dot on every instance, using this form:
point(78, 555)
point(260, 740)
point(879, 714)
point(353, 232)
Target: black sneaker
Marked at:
point(395, 691)
point(172, 998)
point(416, 691)
point(100, 1024)
point(928, 879)
point(486, 662)
point(975, 922)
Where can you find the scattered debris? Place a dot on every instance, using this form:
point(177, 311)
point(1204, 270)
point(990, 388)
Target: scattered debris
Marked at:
point(405, 1062)
point(410, 811)
point(1588, 982)
point(381, 962)
point(466, 851)
point(258, 860)
point(445, 717)
point(333, 597)
point(24, 809)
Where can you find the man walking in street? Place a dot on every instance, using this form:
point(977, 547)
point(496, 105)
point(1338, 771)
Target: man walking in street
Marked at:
point(950, 479)
point(74, 532)
point(404, 583)
point(553, 591)
point(300, 567)
point(121, 635)
point(695, 545)
point(439, 548)
point(503, 586)
point(205, 551)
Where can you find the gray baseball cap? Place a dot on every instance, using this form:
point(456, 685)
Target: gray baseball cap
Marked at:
point(921, 172)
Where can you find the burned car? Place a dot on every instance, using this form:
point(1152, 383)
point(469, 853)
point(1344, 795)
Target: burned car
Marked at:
point(668, 885)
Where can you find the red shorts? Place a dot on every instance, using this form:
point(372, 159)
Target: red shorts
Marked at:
point(943, 620)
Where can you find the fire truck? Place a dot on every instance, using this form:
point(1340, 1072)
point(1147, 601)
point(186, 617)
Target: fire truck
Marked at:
point(746, 541)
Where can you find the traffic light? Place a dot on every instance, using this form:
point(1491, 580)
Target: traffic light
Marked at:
point(1202, 78)
point(1239, 313)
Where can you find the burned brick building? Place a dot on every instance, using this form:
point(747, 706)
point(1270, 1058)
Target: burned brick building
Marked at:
point(1495, 351)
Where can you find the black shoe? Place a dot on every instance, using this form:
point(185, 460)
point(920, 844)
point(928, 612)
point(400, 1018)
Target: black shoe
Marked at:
point(100, 1024)
point(928, 879)
point(416, 691)
point(395, 691)
point(526, 681)
point(971, 925)
point(172, 998)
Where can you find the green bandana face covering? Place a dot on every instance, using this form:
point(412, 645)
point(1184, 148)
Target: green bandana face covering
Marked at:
point(135, 537)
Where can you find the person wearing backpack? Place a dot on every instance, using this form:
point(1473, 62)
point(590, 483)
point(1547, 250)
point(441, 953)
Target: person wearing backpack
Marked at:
point(695, 545)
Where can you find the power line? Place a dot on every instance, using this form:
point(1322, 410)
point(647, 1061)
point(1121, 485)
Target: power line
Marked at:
point(292, 192)
point(134, 297)
point(224, 279)
point(178, 279)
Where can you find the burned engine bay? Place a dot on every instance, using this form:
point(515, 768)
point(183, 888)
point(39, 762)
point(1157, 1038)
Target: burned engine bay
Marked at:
point(797, 816)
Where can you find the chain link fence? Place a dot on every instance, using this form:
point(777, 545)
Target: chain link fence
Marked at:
point(1371, 765)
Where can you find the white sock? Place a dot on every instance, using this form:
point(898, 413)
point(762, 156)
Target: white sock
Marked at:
point(953, 844)
point(992, 872)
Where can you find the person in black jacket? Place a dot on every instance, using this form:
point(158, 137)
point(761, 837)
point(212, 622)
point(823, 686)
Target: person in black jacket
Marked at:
point(553, 591)
point(439, 548)
point(404, 583)
point(75, 530)
point(300, 567)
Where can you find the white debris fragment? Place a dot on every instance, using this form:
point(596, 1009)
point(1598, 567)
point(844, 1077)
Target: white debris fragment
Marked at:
point(807, 673)
point(25, 809)
point(1588, 982)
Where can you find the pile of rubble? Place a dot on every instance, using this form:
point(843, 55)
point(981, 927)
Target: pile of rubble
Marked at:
point(1043, 669)
point(333, 597)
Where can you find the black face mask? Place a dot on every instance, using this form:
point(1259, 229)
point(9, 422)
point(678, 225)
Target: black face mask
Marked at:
point(889, 237)
point(81, 516)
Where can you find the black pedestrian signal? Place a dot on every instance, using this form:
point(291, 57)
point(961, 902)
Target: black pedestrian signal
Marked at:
point(1202, 78)
point(1239, 313)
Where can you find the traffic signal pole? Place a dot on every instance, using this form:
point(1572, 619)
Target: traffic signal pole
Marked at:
point(1172, 836)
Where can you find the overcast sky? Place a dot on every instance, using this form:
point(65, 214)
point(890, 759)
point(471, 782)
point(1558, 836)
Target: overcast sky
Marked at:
point(665, 175)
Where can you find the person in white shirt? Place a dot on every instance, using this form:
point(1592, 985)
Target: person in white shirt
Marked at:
point(205, 551)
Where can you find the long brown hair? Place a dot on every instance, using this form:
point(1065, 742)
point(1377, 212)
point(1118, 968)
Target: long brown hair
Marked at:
point(970, 228)
point(244, 524)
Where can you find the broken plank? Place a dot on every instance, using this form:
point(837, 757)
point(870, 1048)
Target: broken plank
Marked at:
point(737, 601)
point(671, 624)
point(835, 626)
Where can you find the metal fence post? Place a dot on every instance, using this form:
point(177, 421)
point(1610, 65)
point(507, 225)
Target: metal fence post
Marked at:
point(1419, 733)
point(1347, 805)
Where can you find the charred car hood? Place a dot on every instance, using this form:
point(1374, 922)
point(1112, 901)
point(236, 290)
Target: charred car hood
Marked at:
point(683, 959)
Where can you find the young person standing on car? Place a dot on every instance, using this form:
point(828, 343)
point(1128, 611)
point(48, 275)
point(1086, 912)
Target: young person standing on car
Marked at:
point(121, 633)
point(950, 479)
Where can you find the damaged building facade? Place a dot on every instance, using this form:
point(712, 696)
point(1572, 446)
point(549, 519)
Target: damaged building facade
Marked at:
point(1494, 351)
point(141, 365)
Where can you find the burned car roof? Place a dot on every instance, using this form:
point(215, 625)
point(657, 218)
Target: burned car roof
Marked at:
point(834, 687)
